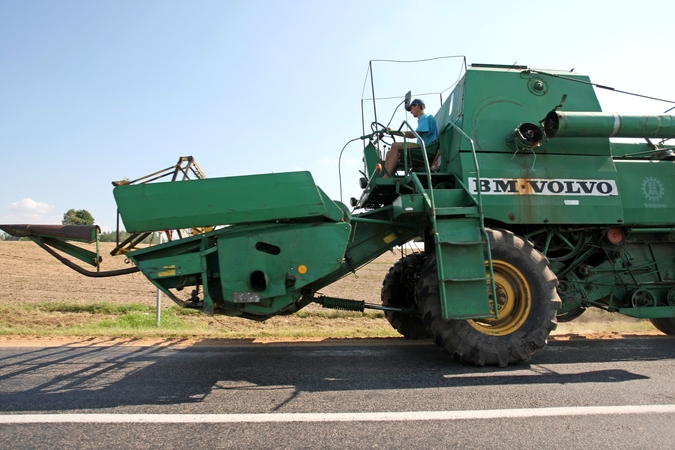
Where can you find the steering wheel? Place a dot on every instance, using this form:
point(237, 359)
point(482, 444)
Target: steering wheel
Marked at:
point(377, 127)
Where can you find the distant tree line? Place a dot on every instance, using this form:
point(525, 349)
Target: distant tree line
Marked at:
point(111, 236)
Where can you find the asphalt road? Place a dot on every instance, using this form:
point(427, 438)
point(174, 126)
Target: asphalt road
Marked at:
point(296, 396)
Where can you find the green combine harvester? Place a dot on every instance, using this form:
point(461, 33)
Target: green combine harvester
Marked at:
point(533, 217)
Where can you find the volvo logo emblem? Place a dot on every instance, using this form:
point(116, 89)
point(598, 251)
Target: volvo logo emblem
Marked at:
point(652, 189)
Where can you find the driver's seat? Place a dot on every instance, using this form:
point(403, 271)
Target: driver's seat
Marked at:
point(416, 159)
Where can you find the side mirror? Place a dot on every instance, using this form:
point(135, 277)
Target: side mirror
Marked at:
point(407, 101)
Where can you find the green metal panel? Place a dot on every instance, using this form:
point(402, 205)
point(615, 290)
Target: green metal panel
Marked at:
point(648, 192)
point(218, 201)
point(277, 259)
point(334, 211)
point(451, 197)
point(173, 266)
point(270, 263)
point(372, 159)
point(408, 204)
point(450, 111)
point(565, 189)
point(497, 100)
point(374, 233)
point(461, 269)
point(454, 202)
point(653, 312)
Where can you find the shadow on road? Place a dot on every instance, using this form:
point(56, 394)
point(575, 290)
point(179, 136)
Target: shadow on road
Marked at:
point(82, 378)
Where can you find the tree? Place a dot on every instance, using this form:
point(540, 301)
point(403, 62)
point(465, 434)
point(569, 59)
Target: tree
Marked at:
point(79, 217)
point(111, 236)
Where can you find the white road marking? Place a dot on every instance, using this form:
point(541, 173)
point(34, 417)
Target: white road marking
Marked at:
point(338, 417)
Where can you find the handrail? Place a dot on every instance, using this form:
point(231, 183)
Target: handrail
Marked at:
point(426, 165)
point(475, 163)
point(480, 214)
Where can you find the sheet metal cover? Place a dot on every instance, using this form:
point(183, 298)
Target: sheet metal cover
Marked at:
point(218, 201)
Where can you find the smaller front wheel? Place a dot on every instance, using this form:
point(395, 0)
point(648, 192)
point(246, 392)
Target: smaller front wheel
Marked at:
point(571, 296)
point(398, 290)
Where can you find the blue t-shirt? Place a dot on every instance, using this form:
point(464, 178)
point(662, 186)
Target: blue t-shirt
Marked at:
point(426, 128)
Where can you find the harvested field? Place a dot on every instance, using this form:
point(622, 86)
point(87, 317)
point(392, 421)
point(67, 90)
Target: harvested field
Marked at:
point(42, 297)
point(28, 274)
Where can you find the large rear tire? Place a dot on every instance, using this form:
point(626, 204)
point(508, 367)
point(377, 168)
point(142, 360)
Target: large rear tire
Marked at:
point(527, 300)
point(399, 290)
point(665, 324)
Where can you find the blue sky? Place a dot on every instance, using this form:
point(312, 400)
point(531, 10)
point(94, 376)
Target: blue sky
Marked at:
point(95, 91)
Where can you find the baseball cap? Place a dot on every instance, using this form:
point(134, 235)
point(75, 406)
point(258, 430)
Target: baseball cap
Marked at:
point(417, 101)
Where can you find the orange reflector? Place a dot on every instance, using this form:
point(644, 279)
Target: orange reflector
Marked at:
point(302, 269)
point(378, 168)
point(615, 236)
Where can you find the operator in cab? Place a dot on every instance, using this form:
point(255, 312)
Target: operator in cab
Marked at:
point(427, 130)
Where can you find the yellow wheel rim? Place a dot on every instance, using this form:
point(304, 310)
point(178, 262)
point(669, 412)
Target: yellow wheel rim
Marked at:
point(514, 301)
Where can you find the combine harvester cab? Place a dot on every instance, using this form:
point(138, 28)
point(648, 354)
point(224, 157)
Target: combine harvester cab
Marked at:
point(532, 216)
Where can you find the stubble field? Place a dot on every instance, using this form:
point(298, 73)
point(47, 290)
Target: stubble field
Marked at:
point(42, 297)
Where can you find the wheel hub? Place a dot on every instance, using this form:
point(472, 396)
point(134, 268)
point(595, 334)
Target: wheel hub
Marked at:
point(514, 301)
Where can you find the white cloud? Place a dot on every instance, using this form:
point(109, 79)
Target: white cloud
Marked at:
point(29, 208)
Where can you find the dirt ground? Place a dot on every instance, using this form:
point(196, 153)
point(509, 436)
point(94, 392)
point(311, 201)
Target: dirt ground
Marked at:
point(28, 274)
point(75, 341)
